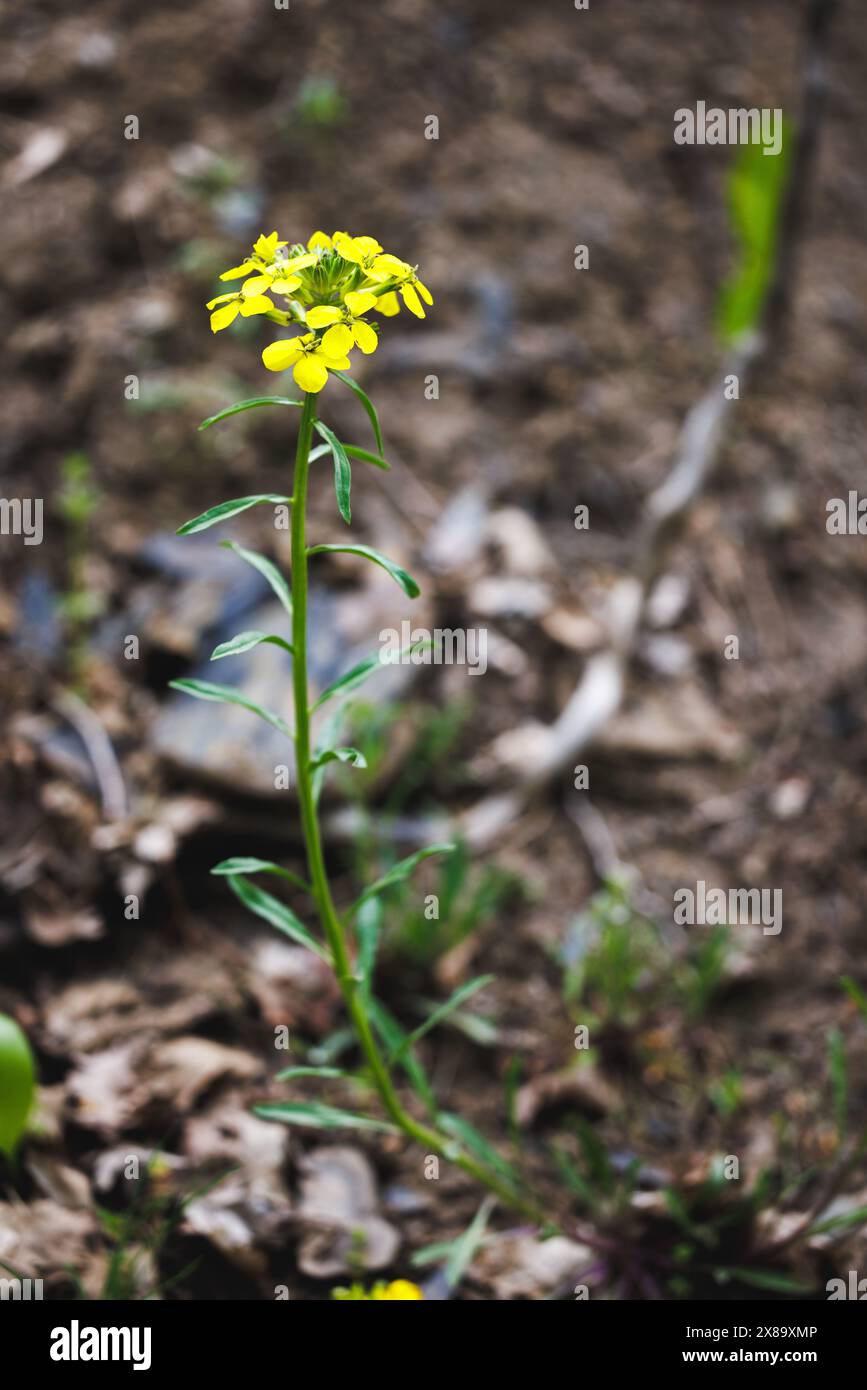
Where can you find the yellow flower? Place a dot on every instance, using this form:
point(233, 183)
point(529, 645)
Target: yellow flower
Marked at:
point(344, 330)
point(308, 359)
point(387, 267)
point(399, 1290)
point(235, 304)
point(332, 284)
point(268, 246)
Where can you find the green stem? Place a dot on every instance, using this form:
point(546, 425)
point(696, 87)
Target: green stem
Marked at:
point(331, 924)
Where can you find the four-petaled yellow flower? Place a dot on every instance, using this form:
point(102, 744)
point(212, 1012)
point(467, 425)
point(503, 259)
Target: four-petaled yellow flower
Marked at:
point(328, 286)
point(235, 304)
point(308, 359)
point(343, 331)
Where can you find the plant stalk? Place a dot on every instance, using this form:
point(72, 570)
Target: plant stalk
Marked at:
point(331, 924)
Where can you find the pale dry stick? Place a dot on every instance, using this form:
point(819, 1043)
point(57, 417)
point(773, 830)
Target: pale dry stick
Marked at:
point(599, 694)
point(106, 768)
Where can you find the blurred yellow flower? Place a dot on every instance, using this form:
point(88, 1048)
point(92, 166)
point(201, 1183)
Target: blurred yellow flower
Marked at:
point(398, 1291)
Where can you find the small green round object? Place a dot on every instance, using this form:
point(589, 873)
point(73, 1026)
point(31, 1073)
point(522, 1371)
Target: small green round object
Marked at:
point(17, 1083)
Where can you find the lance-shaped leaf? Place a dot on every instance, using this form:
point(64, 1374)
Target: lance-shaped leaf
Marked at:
point(366, 456)
point(267, 569)
point(227, 695)
point(354, 452)
point(360, 673)
point(470, 1138)
point(368, 406)
point(398, 872)
point(224, 510)
point(339, 755)
point(400, 576)
point(394, 1038)
point(315, 1116)
point(328, 735)
point(292, 1073)
point(368, 924)
point(245, 641)
point(276, 913)
point(342, 471)
point(454, 1001)
point(246, 405)
point(240, 864)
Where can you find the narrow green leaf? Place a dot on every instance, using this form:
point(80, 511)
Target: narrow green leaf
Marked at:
point(342, 471)
point(227, 695)
point(267, 568)
point(393, 1037)
point(241, 865)
point(367, 928)
point(17, 1084)
point(400, 871)
point(245, 641)
point(224, 510)
point(765, 1279)
point(246, 405)
point(360, 673)
point(314, 1116)
point(838, 1072)
point(366, 456)
point(466, 1247)
point(368, 406)
point(400, 576)
point(328, 735)
point(843, 1222)
point(339, 755)
point(460, 995)
point(349, 681)
point(291, 1073)
point(276, 913)
point(467, 1135)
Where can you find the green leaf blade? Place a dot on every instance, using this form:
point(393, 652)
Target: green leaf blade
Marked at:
point(267, 569)
point(398, 872)
point(454, 1001)
point(277, 914)
point(240, 864)
point(399, 575)
point(240, 406)
point(316, 1116)
point(227, 695)
point(367, 403)
point(224, 510)
point(342, 471)
point(17, 1084)
point(246, 641)
point(352, 756)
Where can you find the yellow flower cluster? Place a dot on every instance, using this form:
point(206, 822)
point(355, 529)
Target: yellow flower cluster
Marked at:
point(329, 287)
point(398, 1291)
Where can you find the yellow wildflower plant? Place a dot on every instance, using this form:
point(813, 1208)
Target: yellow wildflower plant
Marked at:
point(333, 289)
point(329, 286)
